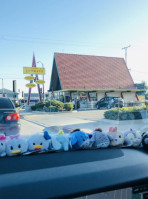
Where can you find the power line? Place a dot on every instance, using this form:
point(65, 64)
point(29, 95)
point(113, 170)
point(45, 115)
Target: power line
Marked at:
point(55, 42)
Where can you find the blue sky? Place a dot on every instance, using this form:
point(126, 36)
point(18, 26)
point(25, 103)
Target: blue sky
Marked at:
point(93, 27)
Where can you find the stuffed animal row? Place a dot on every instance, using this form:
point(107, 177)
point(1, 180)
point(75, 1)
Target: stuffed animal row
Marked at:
point(77, 139)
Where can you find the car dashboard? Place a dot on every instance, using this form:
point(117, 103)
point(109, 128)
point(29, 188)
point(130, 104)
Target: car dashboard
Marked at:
point(74, 174)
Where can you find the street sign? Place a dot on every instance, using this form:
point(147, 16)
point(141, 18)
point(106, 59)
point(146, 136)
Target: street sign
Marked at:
point(34, 70)
point(29, 78)
point(30, 85)
point(40, 81)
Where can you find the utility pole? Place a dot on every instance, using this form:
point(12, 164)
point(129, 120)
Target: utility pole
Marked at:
point(125, 48)
point(2, 85)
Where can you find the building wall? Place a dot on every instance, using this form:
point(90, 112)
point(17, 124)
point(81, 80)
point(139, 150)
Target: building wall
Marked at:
point(130, 97)
point(100, 95)
point(114, 94)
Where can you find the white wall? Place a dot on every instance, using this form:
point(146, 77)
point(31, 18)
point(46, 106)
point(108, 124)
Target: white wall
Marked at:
point(130, 97)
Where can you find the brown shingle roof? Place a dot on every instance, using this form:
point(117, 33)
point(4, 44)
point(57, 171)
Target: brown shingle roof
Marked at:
point(92, 72)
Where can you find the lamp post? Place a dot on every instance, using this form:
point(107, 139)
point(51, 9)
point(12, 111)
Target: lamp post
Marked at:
point(43, 77)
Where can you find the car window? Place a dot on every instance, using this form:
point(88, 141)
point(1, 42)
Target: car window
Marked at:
point(5, 103)
point(102, 100)
point(74, 66)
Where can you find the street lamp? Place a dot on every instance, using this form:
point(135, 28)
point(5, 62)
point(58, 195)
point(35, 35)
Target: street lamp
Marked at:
point(43, 77)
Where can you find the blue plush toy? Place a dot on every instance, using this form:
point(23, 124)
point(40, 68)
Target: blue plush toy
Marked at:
point(79, 140)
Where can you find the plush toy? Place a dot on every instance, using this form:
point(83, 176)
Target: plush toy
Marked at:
point(145, 141)
point(39, 142)
point(132, 138)
point(2, 145)
point(16, 145)
point(79, 140)
point(116, 137)
point(60, 141)
point(99, 139)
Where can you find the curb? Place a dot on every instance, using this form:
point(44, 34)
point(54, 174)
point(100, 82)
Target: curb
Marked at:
point(121, 121)
point(46, 113)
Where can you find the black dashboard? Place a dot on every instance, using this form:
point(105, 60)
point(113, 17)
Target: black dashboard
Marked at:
point(72, 174)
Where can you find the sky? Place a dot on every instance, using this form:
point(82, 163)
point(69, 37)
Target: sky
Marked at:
point(90, 27)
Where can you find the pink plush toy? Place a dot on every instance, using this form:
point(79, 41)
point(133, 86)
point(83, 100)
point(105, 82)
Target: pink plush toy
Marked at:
point(116, 137)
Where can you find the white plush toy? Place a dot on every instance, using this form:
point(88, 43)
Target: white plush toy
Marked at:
point(39, 142)
point(60, 141)
point(116, 137)
point(2, 145)
point(132, 138)
point(16, 145)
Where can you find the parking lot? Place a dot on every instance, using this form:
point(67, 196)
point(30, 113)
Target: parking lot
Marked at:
point(32, 122)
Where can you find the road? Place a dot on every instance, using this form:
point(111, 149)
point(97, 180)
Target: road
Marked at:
point(36, 122)
point(33, 122)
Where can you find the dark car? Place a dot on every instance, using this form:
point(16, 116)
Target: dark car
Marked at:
point(9, 118)
point(109, 102)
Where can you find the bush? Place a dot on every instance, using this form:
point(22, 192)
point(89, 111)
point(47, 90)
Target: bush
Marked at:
point(68, 106)
point(132, 113)
point(52, 106)
point(17, 105)
point(57, 104)
point(40, 105)
point(33, 108)
point(53, 109)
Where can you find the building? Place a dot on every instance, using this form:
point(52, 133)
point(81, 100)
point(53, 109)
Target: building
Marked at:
point(10, 94)
point(89, 78)
point(34, 98)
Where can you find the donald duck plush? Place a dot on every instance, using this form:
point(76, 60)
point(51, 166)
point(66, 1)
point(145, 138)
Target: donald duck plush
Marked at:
point(39, 142)
point(16, 145)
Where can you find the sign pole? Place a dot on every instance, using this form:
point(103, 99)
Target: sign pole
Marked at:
point(31, 81)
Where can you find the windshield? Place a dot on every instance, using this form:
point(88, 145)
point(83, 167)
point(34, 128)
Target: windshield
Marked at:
point(5, 103)
point(74, 66)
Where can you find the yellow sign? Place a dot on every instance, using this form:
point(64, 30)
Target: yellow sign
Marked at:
point(40, 81)
point(29, 78)
point(30, 85)
point(33, 70)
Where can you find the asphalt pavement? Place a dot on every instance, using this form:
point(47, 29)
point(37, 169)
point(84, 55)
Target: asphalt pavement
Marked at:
point(33, 122)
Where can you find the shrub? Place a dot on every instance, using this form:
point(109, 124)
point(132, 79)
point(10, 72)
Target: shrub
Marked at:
point(57, 104)
point(40, 105)
point(68, 106)
point(53, 109)
point(33, 108)
point(132, 113)
point(17, 105)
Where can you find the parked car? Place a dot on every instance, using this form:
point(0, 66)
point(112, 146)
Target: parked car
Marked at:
point(9, 118)
point(110, 102)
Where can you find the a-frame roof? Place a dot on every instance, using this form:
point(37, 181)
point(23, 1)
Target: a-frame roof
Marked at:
point(92, 72)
